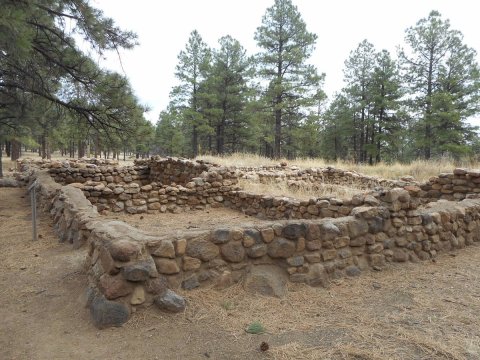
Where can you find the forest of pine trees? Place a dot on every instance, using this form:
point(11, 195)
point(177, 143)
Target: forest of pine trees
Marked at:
point(416, 103)
point(392, 108)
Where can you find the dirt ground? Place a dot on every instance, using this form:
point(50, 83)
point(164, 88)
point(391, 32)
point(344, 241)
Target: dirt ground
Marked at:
point(168, 223)
point(411, 311)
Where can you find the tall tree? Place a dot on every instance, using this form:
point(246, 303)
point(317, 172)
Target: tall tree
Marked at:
point(292, 83)
point(228, 92)
point(359, 77)
point(444, 83)
point(386, 94)
point(39, 59)
point(169, 137)
point(38, 52)
point(193, 63)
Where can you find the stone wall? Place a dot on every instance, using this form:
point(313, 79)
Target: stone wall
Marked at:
point(119, 276)
point(452, 186)
point(128, 268)
point(182, 171)
point(146, 188)
point(130, 189)
point(296, 177)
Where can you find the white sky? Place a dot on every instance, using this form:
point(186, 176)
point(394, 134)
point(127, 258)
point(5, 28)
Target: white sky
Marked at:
point(163, 28)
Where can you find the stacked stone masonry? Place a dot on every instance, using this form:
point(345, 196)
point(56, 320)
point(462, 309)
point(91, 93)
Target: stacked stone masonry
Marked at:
point(295, 177)
point(128, 268)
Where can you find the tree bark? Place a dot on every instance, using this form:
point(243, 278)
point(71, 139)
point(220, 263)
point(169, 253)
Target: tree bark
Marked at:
point(8, 147)
point(1, 164)
point(428, 111)
point(15, 151)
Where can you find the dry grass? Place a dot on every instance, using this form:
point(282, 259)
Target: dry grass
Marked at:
point(420, 169)
point(419, 311)
point(302, 191)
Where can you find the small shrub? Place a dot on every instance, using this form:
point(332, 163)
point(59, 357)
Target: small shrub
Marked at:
point(255, 328)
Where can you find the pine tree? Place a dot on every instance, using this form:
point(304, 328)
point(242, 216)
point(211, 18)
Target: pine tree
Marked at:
point(228, 94)
point(292, 84)
point(444, 83)
point(359, 77)
point(193, 64)
point(386, 94)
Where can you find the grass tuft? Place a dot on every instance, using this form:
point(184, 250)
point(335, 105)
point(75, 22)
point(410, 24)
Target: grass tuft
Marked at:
point(255, 328)
point(421, 170)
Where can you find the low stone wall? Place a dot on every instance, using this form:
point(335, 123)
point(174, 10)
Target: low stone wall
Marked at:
point(131, 189)
point(154, 197)
point(200, 185)
point(128, 268)
point(452, 186)
point(179, 171)
point(295, 177)
point(119, 276)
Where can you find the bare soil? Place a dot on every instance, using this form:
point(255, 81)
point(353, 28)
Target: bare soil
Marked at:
point(427, 310)
point(169, 223)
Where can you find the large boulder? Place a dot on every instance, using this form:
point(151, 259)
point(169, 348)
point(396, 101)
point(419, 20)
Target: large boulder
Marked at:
point(106, 313)
point(170, 301)
point(267, 280)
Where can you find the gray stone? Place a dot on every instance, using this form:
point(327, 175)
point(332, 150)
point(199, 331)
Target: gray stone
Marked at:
point(157, 285)
point(296, 261)
point(190, 283)
point(221, 236)
point(281, 248)
point(317, 275)
point(257, 250)
point(233, 251)
point(202, 249)
point(106, 313)
point(267, 280)
point(294, 231)
point(357, 228)
point(344, 253)
point(136, 272)
point(376, 224)
point(254, 234)
point(328, 231)
point(170, 301)
point(353, 271)
point(400, 255)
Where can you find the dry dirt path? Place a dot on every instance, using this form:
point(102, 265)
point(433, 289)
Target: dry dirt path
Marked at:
point(42, 314)
point(409, 311)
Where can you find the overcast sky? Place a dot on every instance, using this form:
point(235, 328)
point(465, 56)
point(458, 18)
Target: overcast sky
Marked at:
point(163, 28)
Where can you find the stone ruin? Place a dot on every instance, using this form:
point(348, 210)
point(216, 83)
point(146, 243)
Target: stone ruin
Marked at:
point(312, 241)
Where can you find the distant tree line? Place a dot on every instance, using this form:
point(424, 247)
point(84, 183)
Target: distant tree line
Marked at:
point(272, 103)
point(55, 97)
